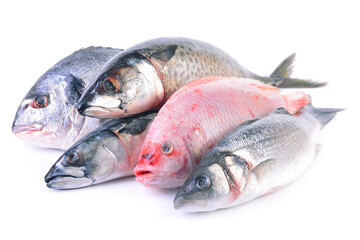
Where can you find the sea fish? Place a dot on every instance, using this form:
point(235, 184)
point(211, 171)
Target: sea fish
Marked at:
point(110, 152)
point(47, 116)
point(257, 158)
point(144, 76)
point(199, 115)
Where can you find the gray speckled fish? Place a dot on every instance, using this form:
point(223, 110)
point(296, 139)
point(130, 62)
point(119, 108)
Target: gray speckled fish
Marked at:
point(258, 157)
point(109, 152)
point(144, 76)
point(47, 116)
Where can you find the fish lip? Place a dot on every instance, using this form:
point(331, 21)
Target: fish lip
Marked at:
point(95, 111)
point(178, 201)
point(51, 182)
point(179, 205)
point(142, 173)
point(51, 178)
point(26, 128)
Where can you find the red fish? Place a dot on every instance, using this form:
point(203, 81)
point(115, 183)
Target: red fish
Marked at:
point(199, 115)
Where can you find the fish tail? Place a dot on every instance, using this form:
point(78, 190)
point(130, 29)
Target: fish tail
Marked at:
point(280, 77)
point(294, 101)
point(324, 115)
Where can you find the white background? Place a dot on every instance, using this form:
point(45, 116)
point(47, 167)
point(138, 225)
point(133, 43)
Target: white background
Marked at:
point(322, 204)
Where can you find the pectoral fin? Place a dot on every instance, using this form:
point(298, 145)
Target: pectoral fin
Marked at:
point(264, 169)
point(266, 175)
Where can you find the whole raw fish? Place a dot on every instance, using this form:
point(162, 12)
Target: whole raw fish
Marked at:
point(144, 76)
point(109, 152)
point(199, 115)
point(258, 157)
point(47, 116)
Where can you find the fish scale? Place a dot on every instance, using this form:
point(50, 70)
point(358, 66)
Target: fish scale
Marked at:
point(58, 124)
point(257, 158)
point(196, 117)
point(107, 153)
point(144, 76)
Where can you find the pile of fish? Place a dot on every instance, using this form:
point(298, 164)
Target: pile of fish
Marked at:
point(175, 112)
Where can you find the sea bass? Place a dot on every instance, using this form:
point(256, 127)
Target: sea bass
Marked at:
point(144, 76)
point(110, 152)
point(199, 115)
point(47, 116)
point(258, 157)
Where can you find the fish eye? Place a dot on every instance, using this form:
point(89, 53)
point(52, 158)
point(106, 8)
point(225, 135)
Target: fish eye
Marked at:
point(166, 148)
point(202, 182)
point(41, 101)
point(111, 84)
point(73, 158)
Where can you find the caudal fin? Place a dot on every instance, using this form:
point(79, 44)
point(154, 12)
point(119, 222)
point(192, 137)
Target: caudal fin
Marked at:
point(294, 101)
point(281, 76)
point(324, 115)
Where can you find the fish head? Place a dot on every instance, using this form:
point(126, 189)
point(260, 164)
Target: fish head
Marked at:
point(212, 186)
point(163, 162)
point(127, 85)
point(95, 159)
point(47, 116)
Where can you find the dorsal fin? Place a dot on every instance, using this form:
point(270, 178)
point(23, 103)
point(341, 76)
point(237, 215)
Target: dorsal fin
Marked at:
point(280, 111)
point(248, 122)
point(164, 54)
point(285, 68)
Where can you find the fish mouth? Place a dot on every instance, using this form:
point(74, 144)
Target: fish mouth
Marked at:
point(24, 129)
point(178, 204)
point(66, 178)
point(95, 111)
point(144, 176)
point(67, 182)
point(179, 200)
point(50, 177)
point(143, 173)
point(186, 205)
point(183, 206)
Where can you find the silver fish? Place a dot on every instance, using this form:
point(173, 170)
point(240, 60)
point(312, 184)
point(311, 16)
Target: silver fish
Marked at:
point(258, 157)
point(47, 116)
point(109, 152)
point(144, 76)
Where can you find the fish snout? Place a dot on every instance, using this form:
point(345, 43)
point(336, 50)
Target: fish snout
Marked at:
point(144, 165)
point(61, 177)
point(23, 123)
point(144, 173)
point(143, 168)
point(84, 103)
point(178, 201)
point(22, 129)
point(93, 106)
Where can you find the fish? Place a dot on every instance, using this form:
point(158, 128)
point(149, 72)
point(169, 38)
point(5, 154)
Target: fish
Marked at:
point(199, 115)
point(47, 116)
point(144, 76)
point(258, 157)
point(107, 153)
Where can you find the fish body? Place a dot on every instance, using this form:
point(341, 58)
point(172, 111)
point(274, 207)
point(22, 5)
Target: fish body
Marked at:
point(109, 152)
point(47, 116)
point(144, 76)
point(258, 157)
point(196, 117)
